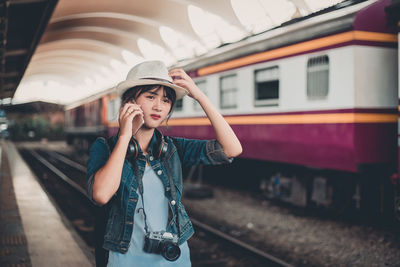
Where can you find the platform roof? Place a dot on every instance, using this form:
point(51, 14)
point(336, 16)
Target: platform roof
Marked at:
point(89, 46)
point(22, 23)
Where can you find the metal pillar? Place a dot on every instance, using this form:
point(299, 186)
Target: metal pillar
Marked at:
point(4, 4)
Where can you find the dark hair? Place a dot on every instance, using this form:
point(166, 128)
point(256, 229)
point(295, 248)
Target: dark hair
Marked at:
point(135, 92)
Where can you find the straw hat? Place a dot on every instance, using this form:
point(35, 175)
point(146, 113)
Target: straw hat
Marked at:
point(149, 73)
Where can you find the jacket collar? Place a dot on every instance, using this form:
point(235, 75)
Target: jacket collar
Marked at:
point(154, 142)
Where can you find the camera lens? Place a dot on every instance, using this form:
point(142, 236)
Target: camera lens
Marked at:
point(171, 252)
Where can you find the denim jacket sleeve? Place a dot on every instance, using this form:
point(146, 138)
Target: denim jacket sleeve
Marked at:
point(194, 152)
point(98, 156)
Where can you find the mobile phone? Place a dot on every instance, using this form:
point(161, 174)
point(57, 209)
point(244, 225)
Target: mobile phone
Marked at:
point(134, 102)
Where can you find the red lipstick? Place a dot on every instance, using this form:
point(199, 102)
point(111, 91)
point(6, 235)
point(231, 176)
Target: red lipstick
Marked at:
point(155, 116)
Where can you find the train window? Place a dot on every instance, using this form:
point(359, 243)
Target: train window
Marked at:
point(318, 77)
point(266, 87)
point(203, 87)
point(228, 91)
point(179, 105)
point(113, 109)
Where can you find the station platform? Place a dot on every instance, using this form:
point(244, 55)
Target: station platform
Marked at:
point(32, 231)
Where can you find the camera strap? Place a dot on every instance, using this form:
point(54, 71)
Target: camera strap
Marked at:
point(173, 194)
point(140, 183)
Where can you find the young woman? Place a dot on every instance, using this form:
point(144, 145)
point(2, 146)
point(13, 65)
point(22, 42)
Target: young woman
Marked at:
point(138, 173)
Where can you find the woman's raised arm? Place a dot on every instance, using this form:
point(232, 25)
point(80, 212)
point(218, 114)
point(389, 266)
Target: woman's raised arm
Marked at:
point(225, 135)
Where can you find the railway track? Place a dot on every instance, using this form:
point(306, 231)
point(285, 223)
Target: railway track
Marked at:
point(209, 247)
point(64, 190)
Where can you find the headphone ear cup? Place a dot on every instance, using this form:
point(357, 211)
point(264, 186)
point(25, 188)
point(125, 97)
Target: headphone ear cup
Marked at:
point(133, 149)
point(162, 148)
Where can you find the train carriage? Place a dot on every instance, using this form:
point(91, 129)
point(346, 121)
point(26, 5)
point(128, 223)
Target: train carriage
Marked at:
point(317, 96)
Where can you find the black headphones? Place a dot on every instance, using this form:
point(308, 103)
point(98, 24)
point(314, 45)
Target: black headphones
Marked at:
point(158, 151)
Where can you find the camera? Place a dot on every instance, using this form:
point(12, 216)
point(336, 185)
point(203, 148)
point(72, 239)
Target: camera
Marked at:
point(163, 243)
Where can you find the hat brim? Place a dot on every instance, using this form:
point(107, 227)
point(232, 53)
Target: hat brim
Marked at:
point(125, 85)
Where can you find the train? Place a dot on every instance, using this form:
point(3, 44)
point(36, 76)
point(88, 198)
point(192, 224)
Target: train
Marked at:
point(315, 102)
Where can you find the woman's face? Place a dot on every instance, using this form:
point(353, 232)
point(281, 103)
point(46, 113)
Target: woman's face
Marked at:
point(155, 106)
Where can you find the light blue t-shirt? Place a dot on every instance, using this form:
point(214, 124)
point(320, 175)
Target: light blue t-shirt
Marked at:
point(156, 207)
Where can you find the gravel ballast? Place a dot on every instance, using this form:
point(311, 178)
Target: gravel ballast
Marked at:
point(300, 240)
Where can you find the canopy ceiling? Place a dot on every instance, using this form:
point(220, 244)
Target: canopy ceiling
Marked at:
point(22, 23)
point(89, 46)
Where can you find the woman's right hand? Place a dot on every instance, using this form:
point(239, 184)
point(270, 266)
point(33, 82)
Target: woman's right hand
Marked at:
point(130, 119)
point(108, 178)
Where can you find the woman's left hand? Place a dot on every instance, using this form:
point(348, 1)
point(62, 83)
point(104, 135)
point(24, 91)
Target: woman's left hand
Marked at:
point(181, 78)
point(225, 135)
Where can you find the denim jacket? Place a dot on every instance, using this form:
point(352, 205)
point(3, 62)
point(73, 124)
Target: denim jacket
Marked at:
point(181, 153)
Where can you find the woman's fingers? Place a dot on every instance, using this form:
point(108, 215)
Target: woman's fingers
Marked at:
point(132, 114)
point(135, 113)
point(178, 74)
point(137, 118)
point(182, 79)
point(122, 111)
point(124, 108)
point(181, 82)
point(128, 111)
point(128, 108)
point(128, 119)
